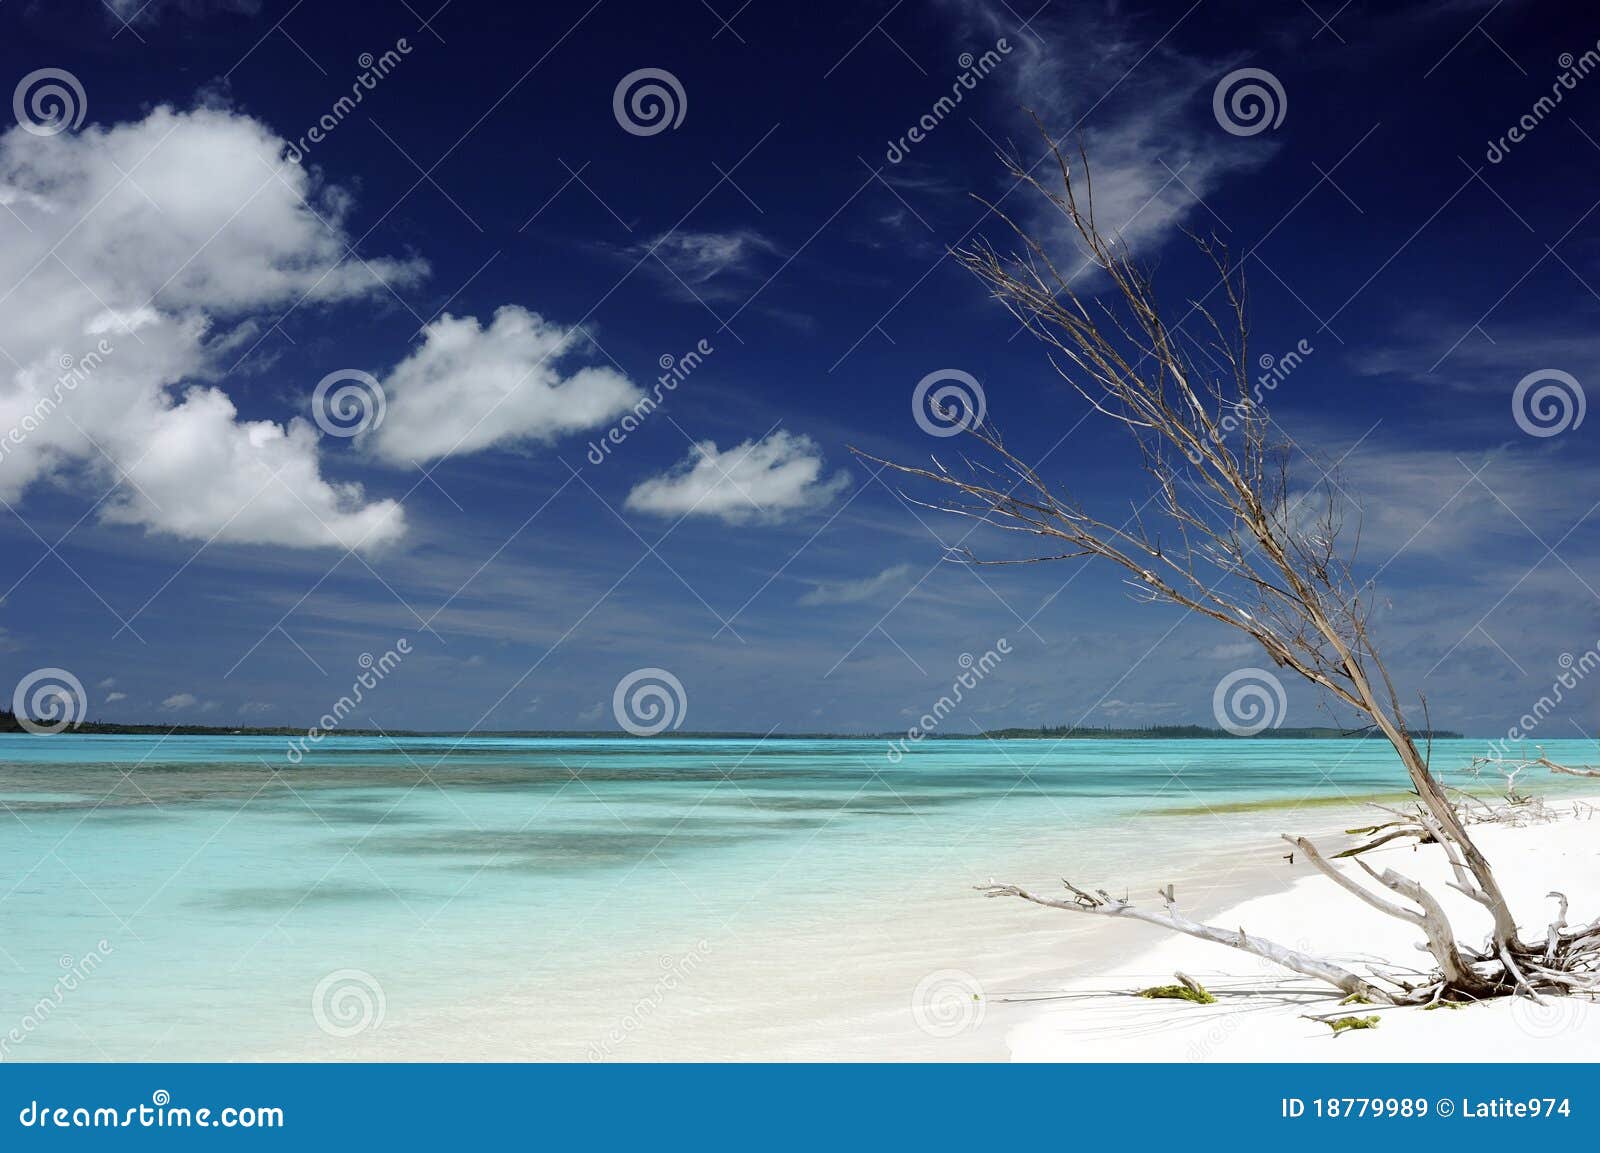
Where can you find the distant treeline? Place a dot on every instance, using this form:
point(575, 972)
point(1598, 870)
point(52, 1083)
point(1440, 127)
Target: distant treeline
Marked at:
point(1197, 732)
point(10, 724)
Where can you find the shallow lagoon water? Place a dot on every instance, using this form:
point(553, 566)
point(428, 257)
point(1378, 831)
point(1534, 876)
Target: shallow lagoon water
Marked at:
point(526, 897)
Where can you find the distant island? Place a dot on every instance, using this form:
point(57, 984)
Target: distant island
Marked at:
point(10, 724)
point(1200, 733)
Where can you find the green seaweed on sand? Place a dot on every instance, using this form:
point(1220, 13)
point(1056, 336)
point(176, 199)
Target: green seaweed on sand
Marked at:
point(1342, 1024)
point(1270, 804)
point(1187, 989)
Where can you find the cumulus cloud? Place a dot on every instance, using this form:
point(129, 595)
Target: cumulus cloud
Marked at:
point(758, 480)
point(469, 388)
point(855, 591)
point(179, 701)
point(142, 260)
point(143, 244)
point(113, 698)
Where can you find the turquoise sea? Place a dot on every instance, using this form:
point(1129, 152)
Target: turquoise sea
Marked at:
point(590, 899)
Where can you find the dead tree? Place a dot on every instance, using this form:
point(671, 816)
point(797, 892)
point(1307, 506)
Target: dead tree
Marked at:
point(1223, 536)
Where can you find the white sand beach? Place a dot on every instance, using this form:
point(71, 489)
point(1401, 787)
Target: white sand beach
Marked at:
point(937, 973)
point(1262, 1012)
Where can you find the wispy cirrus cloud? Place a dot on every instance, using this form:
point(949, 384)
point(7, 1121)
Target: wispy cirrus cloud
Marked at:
point(1140, 105)
point(865, 589)
point(711, 265)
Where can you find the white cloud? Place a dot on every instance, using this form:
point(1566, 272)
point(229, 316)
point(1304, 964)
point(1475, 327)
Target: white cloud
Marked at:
point(766, 480)
point(1141, 107)
point(155, 236)
point(469, 388)
point(113, 698)
point(855, 591)
point(202, 471)
point(1407, 501)
point(148, 11)
point(707, 264)
point(178, 701)
point(1121, 708)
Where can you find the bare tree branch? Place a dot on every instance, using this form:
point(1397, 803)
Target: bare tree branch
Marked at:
point(1230, 538)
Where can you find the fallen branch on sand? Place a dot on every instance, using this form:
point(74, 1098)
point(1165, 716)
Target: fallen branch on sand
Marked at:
point(1236, 543)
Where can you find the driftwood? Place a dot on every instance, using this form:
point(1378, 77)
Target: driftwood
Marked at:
point(1223, 536)
point(1105, 905)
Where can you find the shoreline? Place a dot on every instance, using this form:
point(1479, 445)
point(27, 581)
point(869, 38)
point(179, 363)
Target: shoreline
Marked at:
point(703, 905)
point(1261, 1010)
point(953, 977)
point(947, 977)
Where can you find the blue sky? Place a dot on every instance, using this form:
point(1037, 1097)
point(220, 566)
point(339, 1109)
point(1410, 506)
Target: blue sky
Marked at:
point(484, 238)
